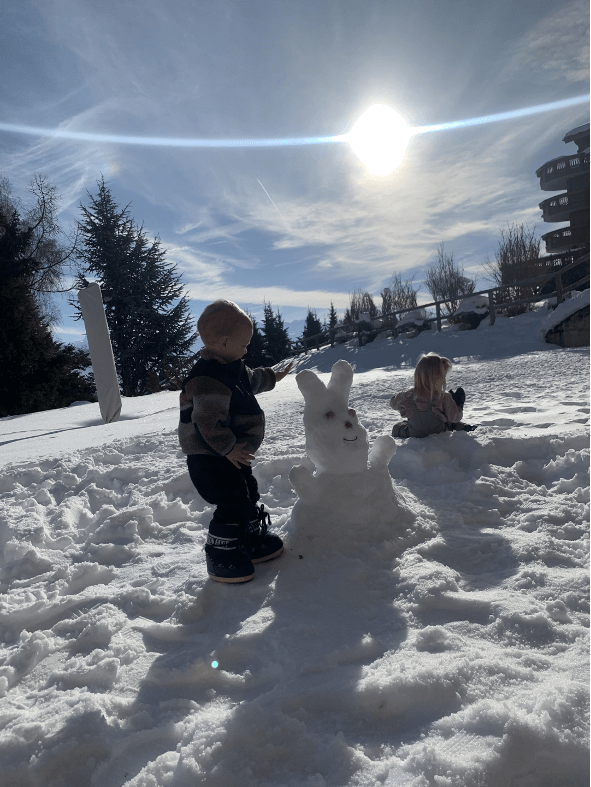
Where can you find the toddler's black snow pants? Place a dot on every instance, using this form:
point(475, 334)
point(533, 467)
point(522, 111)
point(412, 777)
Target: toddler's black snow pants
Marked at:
point(234, 491)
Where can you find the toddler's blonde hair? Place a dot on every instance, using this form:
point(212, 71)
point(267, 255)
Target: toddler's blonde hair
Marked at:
point(221, 318)
point(430, 373)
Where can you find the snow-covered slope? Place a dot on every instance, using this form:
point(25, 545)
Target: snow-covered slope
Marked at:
point(451, 653)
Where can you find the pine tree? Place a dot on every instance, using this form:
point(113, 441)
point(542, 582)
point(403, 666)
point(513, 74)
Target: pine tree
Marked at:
point(255, 355)
point(38, 373)
point(276, 339)
point(332, 317)
point(147, 313)
point(313, 325)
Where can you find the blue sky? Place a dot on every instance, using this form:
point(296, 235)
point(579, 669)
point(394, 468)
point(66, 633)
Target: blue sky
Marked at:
point(279, 68)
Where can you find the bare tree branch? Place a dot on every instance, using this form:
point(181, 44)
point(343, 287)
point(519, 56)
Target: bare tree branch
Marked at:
point(446, 282)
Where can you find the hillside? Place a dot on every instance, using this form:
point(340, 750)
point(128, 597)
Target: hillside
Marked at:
point(451, 651)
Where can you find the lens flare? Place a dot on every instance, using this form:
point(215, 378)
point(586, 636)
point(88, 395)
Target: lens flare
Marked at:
point(168, 142)
point(512, 115)
point(214, 664)
point(379, 138)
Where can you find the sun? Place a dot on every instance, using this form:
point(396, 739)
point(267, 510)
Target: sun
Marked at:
point(379, 138)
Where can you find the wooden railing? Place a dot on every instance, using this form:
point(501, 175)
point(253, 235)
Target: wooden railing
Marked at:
point(497, 300)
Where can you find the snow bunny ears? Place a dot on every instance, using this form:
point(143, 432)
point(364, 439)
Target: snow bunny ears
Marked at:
point(335, 440)
point(315, 392)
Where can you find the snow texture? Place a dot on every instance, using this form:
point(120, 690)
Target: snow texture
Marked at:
point(415, 317)
point(433, 633)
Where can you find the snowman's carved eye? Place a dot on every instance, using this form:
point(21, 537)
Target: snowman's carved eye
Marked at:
point(351, 411)
point(329, 415)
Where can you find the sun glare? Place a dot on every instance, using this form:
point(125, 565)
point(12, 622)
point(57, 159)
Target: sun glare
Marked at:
point(379, 138)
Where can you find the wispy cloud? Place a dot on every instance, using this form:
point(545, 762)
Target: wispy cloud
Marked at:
point(556, 50)
point(303, 227)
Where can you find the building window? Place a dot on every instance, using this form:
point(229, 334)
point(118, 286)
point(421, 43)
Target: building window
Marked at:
point(553, 203)
point(574, 162)
point(549, 170)
point(563, 201)
point(566, 233)
point(561, 165)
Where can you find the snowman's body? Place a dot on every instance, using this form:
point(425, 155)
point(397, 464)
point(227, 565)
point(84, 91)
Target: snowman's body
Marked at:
point(350, 498)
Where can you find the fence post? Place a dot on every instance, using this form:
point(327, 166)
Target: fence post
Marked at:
point(438, 313)
point(305, 345)
point(332, 338)
point(559, 295)
point(491, 307)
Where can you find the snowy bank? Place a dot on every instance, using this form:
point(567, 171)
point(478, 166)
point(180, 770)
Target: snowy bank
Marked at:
point(451, 651)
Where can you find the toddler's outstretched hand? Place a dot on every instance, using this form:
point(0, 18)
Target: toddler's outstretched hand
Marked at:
point(239, 455)
point(284, 372)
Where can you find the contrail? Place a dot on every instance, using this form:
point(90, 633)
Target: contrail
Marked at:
point(179, 142)
point(273, 204)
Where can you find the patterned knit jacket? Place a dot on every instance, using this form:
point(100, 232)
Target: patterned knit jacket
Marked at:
point(219, 408)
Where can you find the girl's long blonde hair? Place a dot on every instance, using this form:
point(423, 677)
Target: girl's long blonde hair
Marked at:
point(430, 374)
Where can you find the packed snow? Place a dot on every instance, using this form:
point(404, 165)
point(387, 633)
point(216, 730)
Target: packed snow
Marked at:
point(475, 304)
point(445, 649)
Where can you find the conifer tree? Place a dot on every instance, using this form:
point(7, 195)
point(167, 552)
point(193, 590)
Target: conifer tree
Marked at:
point(38, 373)
point(313, 326)
point(332, 317)
point(255, 355)
point(147, 312)
point(276, 339)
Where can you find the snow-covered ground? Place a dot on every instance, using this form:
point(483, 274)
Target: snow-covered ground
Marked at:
point(449, 652)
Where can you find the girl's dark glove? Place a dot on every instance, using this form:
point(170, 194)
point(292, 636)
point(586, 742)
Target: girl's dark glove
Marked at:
point(459, 396)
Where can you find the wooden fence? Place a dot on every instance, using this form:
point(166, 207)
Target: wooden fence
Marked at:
point(497, 299)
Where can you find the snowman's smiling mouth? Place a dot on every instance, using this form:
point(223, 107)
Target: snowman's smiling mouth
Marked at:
point(347, 440)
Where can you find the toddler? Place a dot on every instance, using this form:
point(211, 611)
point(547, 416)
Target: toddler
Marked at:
point(427, 408)
point(221, 426)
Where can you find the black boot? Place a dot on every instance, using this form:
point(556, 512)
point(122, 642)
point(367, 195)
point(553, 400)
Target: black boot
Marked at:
point(260, 544)
point(227, 560)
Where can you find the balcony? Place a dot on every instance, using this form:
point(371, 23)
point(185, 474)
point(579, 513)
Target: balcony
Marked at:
point(554, 174)
point(566, 238)
point(559, 207)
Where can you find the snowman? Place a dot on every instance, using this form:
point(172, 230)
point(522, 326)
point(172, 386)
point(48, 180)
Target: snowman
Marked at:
point(350, 499)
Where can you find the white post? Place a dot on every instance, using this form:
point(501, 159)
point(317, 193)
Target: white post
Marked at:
point(101, 352)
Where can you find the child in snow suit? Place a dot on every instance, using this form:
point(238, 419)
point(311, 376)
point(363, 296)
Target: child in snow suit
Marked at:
point(221, 427)
point(427, 408)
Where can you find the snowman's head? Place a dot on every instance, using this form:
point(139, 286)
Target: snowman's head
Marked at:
point(335, 440)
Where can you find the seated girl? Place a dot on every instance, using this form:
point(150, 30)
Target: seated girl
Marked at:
point(427, 408)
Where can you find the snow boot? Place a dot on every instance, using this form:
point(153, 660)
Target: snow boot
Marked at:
point(260, 544)
point(400, 429)
point(227, 560)
point(461, 427)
